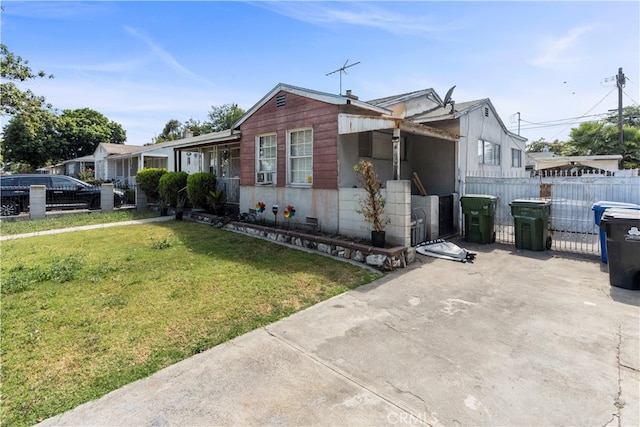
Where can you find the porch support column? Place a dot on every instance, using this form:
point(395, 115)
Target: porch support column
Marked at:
point(395, 139)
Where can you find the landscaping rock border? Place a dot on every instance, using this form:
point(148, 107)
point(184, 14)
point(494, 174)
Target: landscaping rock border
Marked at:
point(384, 259)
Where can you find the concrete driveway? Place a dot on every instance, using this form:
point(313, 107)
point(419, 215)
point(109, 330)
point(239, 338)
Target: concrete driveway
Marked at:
point(516, 338)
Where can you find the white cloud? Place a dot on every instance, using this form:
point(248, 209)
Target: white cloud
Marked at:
point(166, 57)
point(563, 51)
point(358, 13)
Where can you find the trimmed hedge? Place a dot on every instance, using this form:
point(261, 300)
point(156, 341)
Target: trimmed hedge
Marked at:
point(199, 185)
point(169, 185)
point(148, 181)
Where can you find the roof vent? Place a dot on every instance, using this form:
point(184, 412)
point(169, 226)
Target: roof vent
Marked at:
point(351, 95)
point(281, 100)
point(486, 111)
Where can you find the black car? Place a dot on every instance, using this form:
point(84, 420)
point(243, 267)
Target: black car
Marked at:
point(63, 192)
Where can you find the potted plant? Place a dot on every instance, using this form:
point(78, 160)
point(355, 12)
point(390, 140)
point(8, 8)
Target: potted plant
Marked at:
point(164, 206)
point(216, 200)
point(372, 205)
point(181, 201)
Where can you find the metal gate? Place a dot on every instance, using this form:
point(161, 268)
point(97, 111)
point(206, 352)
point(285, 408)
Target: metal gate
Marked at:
point(572, 223)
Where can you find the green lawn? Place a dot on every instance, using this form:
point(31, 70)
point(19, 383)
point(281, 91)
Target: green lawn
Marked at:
point(63, 220)
point(87, 312)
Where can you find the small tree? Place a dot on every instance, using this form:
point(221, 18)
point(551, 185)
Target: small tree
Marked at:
point(148, 180)
point(372, 206)
point(199, 185)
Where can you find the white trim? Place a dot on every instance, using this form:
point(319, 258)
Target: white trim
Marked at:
point(289, 167)
point(275, 159)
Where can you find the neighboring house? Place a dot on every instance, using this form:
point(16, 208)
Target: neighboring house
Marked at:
point(75, 166)
point(574, 164)
point(105, 170)
point(121, 163)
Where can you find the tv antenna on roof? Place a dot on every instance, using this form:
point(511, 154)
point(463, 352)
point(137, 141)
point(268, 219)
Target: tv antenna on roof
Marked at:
point(342, 70)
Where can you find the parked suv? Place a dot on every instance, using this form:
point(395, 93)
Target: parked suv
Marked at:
point(63, 192)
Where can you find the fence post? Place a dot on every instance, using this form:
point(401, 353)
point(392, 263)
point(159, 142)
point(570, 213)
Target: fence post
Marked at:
point(37, 201)
point(398, 207)
point(141, 199)
point(106, 197)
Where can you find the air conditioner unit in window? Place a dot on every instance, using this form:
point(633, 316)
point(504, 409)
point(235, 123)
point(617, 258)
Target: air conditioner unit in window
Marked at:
point(264, 178)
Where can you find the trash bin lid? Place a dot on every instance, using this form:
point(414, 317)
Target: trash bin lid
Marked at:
point(604, 204)
point(478, 196)
point(623, 214)
point(530, 202)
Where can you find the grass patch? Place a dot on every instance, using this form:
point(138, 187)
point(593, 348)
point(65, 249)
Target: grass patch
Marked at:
point(87, 312)
point(19, 226)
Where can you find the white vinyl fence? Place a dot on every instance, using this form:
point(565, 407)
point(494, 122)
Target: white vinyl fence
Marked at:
point(572, 223)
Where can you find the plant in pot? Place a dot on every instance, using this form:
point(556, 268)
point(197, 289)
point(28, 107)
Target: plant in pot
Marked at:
point(163, 206)
point(372, 206)
point(217, 199)
point(181, 201)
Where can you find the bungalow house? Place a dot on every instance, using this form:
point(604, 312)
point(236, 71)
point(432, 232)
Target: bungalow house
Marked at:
point(298, 147)
point(120, 163)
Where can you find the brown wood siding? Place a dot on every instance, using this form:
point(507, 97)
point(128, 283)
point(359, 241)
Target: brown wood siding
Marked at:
point(297, 113)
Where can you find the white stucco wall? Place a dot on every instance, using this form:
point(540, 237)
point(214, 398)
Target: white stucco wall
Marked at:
point(320, 204)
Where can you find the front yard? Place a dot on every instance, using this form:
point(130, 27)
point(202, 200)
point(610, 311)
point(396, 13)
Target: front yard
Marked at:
point(87, 312)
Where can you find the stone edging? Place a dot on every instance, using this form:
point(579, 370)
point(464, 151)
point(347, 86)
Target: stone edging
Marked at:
point(385, 259)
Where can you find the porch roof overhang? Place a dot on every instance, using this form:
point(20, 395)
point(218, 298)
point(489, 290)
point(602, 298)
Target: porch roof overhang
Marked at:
point(350, 123)
point(229, 139)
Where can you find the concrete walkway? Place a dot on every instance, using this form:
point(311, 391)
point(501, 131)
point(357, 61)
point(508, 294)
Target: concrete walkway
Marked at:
point(87, 227)
point(516, 338)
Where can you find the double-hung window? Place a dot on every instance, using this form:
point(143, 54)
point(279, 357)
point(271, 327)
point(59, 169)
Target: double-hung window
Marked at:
point(516, 158)
point(300, 157)
point(267, 153)
point(488, 153)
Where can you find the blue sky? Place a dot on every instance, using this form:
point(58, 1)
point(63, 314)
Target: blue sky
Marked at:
point(144, 63)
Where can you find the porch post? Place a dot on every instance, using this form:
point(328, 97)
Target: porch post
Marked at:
point(395, 139)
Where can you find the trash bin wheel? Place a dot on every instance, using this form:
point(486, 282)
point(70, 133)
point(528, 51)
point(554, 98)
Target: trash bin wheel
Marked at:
point(547, 244)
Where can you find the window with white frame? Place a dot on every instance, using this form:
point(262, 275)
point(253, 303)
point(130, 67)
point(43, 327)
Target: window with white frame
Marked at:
point(267, 153)
point(516, 158)
point(300, 157)
point(488, 153)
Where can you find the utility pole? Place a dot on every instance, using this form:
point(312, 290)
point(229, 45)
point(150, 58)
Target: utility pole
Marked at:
point(620, 81)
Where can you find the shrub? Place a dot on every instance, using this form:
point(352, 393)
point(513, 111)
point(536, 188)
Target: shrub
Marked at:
point(148, 181)
point(199, 185)
point(216, 200)
point(169, 185)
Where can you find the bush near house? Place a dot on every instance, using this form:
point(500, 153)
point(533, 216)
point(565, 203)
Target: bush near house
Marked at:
point(169, 185)
point(148, 181)
point(199, 186)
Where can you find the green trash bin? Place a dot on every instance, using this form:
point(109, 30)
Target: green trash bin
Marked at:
point(531, 223)
point(479, 212)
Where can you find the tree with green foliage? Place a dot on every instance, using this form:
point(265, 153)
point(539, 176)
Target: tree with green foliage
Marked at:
point(540, 146)
point(14, 101)
point(601, 138)
point(224, 116)
point(84, 129)
point(32, 139)
point(171, 131)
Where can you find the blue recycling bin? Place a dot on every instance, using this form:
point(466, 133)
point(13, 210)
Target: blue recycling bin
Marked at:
point(598, 209)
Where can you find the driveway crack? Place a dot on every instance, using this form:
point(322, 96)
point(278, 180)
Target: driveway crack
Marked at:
point(352, 379)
